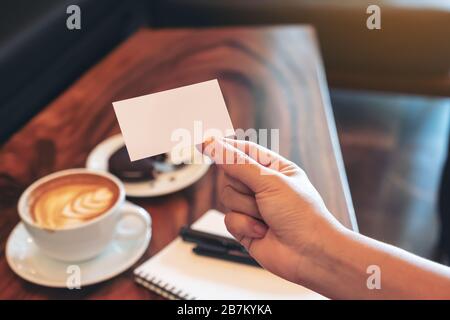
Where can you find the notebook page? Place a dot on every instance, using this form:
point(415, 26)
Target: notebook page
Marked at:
point(209, 278)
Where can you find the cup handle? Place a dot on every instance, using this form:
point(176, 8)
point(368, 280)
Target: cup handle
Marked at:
point(131, 210)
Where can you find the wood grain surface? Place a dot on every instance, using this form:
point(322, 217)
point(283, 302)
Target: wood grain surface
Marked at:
point(271, 78)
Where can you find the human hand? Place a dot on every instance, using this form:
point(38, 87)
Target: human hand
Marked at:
point(275, 212)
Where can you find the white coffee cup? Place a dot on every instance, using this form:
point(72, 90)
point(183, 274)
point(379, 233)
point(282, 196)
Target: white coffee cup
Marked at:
point(86, 240)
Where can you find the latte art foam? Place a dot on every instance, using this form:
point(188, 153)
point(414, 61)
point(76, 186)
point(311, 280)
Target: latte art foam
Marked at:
point(72, 200)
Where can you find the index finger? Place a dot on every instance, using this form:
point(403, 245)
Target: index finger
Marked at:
point(237, 164)
point(262, 155)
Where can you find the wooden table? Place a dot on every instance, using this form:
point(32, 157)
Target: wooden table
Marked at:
point(271, 78)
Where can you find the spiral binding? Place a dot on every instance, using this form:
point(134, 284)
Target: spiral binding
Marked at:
point(158, 286)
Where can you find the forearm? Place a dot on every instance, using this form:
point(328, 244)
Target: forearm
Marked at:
point(339, 269)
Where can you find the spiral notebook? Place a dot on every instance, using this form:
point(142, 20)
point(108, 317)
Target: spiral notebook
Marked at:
point(178, 273)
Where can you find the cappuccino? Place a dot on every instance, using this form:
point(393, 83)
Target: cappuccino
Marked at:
point(71, 200)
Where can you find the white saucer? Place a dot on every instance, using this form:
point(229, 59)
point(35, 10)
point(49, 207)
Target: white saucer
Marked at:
point(26, 260)
point(164, 183)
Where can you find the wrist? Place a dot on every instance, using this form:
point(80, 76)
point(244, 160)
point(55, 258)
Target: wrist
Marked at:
point(320, 259)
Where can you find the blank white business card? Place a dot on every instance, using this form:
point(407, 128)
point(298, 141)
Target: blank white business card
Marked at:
point(153, 124)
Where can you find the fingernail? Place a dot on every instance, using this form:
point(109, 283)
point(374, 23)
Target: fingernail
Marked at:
point(208, 140)
point(205, 147)
point(259, 229)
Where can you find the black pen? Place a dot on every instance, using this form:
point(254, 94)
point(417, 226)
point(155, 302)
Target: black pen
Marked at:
point(216, 246)
point(225, 254)
point(200, 237)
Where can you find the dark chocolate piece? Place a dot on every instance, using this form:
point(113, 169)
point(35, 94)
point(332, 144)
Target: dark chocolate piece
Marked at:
point(146, 169)
point(120, 165)
point(160, 157)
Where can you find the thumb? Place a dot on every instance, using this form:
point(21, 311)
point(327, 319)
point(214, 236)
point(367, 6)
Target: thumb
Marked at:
point(237, 164)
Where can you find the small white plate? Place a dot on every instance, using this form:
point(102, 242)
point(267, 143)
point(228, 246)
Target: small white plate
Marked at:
point(164, 183)
point(29, 263)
